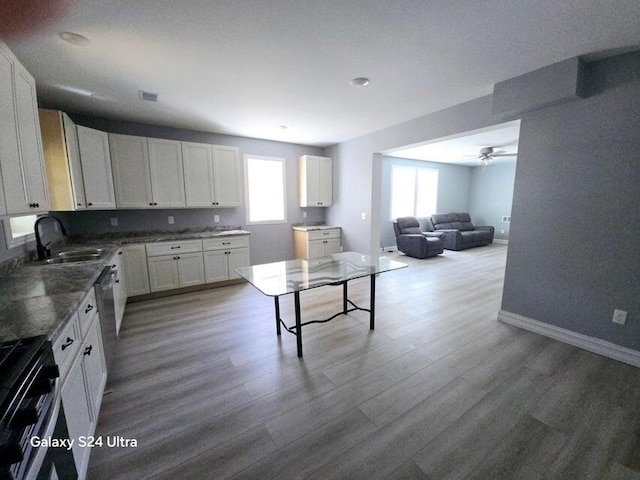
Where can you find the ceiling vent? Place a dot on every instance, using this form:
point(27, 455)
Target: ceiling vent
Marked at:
point(148, 96)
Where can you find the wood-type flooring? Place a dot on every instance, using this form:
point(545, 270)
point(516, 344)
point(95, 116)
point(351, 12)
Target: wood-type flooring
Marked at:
point(440, 389)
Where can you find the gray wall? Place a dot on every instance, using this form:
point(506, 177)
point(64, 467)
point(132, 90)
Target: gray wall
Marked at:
point(454, 183)
point(574, 249)
point(268, 242)
point(491, 195)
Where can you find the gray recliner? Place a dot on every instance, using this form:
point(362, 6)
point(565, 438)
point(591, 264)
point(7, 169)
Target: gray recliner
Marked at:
point(415, 243)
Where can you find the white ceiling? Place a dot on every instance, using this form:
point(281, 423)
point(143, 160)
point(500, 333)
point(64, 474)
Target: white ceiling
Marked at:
point(463, 149)
point(244, 67)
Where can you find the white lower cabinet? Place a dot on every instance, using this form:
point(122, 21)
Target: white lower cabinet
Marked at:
point(316, 243)
point(175, 264)
point(84, 383)
point(136, 271)
point(223, 255)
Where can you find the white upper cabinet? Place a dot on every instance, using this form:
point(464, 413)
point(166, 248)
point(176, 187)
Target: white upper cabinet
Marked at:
point(211, 175)
point(167, 175)
point(21, 157)
point(315, 181)
point(131, 175)
point(147, 172)
point(62, 161)
point(96, 168)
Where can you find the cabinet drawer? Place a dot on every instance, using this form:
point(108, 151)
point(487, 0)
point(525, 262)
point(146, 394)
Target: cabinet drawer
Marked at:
point(323, 234)
point(67, 345)
point(86, 311)
point(222, 243)
point(169, 248)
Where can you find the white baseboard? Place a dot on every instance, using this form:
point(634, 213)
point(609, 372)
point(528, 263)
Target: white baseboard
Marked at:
point(591, 344)
point(500, 240)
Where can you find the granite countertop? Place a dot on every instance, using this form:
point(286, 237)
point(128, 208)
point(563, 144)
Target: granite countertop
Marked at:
point(309, 228)
point(38, 299)
point(125, 238)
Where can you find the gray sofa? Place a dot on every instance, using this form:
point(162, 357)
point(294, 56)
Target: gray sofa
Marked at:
point(414, 242)
point(459, 231)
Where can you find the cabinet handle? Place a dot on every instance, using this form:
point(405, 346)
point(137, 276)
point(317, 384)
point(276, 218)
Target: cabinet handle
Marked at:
point(173, 248)
point(87, 351)
point(120, 252)
point(155, 203)
point(79, 204)
point(67, 344)
point(88, 309)
point(226, 243)
point(90, 204)
point(118, 281)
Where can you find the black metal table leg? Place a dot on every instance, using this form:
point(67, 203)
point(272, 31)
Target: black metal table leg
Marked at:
point(344, 297)
point(296, 297)
point(277, 300)
point(372, 322)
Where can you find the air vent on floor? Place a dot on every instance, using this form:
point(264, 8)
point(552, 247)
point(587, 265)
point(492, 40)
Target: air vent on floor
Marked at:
point(148, 96)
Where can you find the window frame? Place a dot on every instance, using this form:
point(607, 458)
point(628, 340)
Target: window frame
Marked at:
point(282, 160)
point(12, 242)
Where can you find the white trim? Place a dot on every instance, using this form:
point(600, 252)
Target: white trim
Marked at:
point(389, 249)
point(591, 344)
point(500, 240)
point(21, 240)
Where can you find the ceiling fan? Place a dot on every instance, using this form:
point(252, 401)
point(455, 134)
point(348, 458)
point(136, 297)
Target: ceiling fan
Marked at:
point(487, 154)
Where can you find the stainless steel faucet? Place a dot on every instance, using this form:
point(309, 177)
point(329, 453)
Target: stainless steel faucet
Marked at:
point(42, 250)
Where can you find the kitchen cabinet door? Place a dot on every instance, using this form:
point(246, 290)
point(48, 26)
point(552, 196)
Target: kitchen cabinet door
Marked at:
point(197, 159)
point(315, 181)
point(96, 168)
point(163, 273)
point(95, 369)
point(73, 157)
point(167, 173)
point(21, 156)
point(237, 258)
point(76, 407)
point(316, 249)
point(216, 266)
point(14, 192)
point(119, 289)
point(136, 272)
point(131, 175)
point(226, 176)
point(331, 246)
point(191, 269)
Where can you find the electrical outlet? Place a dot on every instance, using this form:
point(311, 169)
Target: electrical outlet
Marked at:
point(114, 221)
point(502, 232)
point(170, 219)
point(216, 218)
point(619, 316)
point(363, 215)
point(304, 214)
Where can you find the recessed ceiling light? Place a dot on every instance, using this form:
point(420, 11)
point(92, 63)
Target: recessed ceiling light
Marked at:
point(359, 82)
point(148, 96)
point(74, 38)
point(97, 96)
point(282, 127)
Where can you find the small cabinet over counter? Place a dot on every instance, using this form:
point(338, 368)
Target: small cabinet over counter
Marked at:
point(315, 181)
point(316, 241)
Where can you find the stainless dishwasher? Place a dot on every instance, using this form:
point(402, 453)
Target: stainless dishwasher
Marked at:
point(106, 310)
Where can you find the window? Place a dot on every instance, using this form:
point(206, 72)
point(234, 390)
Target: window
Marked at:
point(265, 189)
point(414, 191)
point(19, 230)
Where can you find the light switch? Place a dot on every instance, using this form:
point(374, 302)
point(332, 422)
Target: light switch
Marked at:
point(216, 218)
point(170, 218)
point(363, 215)
point(114, 221)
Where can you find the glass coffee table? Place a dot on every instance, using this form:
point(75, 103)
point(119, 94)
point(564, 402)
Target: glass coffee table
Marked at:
point(293, 276)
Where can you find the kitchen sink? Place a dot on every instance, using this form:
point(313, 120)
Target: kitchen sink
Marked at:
point(82, 252)
point(73, 259)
